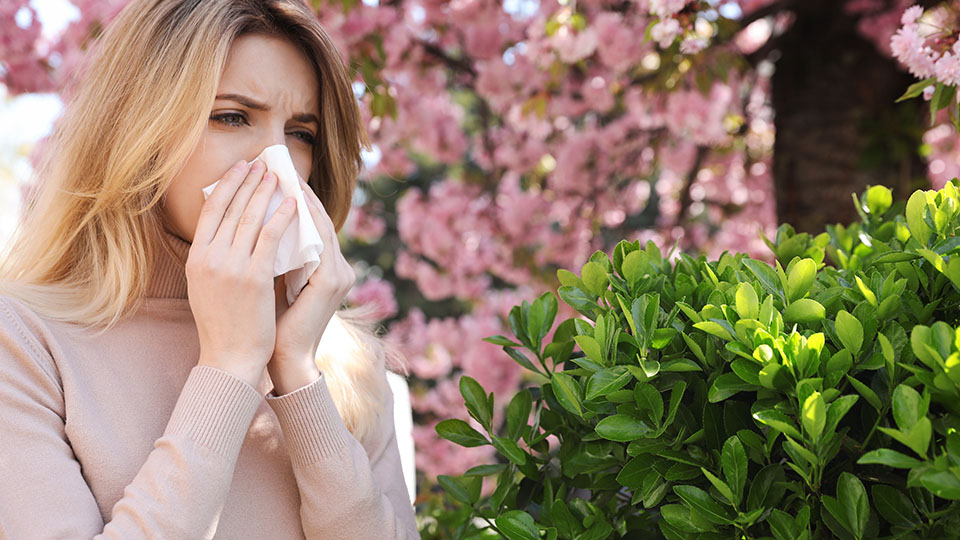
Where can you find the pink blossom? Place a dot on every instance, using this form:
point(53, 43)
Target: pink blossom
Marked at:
point(377, 292)
point(665, 31)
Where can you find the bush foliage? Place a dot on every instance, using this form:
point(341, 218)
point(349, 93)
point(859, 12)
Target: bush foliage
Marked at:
point(731, 399)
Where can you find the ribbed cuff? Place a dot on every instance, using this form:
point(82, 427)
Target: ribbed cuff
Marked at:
point(310, 422)
point(215, 410)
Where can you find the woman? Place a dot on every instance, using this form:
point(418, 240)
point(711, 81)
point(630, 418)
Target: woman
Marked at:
point(137, 318)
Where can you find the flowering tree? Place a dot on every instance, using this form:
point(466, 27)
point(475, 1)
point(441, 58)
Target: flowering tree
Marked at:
point(516, 138)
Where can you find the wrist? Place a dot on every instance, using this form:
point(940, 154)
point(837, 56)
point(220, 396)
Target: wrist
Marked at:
point(289, 376)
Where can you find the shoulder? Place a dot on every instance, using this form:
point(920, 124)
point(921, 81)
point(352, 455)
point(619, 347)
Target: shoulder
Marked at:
point(18, 321)
point(26, 335)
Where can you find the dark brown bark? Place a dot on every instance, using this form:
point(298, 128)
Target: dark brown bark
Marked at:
point(837, 126)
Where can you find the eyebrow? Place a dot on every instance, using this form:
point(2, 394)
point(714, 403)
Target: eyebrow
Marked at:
point(253, 104)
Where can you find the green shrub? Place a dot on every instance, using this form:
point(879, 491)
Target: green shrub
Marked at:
point(731, 399)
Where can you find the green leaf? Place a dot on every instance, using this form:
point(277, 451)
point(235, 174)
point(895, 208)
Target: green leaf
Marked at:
point(734, 461)
point(890, 458)
point(591, 348)
point(521, 359)
point(576, 298)
point(814, 416)
point(461, 489)
point(837, 410)
point(607, 380)
point(518, 413)
point(541, 317)
point(634, 471)
point(475, 398)
point(649, 401)
point(509, 449)
point(768, 278)
point(853, 503)
point(866, 292)
point(804, 310)
point(568, 392)
point(777, 420)
point(916, 206)
point(621, 428)
point(944, 484)
point(501, 340)
point(721, 486)
point(702, 502)
point(715, 329)
point(748, 305)
point(595, 277)
point(906, 407)
point(635, 264)
point(767, 487)
point(894, 506)
point(518, 525)
point(727, 385)
point(460, 433)
point(879, 198)
point(676, 395)
point(916, 89)
point(485, 470)
point(781, 525)
point(850, 332)
point(866, 392)
point(800, 278)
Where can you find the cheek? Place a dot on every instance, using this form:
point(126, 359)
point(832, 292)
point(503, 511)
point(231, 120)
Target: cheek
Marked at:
point(184, 197)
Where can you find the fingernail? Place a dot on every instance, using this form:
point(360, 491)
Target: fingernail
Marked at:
point(241, 165)
point(288, 203)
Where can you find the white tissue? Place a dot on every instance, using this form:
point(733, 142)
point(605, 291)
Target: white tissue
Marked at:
point(298, 254)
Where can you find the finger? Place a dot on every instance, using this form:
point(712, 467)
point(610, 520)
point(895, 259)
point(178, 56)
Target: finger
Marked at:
point(252, 219)
point(211, 213)
point(265, 252)
point(228, 226)
point(312, 197)
point(313, 202)
point(325, 227)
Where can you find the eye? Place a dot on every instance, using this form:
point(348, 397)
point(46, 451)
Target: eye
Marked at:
point(223, 119)
point(305, 136)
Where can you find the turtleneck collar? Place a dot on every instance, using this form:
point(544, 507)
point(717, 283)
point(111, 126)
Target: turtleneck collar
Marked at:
point(169, 279)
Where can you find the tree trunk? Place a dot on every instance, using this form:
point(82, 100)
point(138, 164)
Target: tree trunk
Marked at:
point(837, 126)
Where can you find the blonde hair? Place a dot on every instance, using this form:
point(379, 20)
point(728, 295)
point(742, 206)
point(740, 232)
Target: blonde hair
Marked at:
point(91, 229)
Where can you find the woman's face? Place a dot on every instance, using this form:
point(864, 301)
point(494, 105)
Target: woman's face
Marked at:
point(267, 95)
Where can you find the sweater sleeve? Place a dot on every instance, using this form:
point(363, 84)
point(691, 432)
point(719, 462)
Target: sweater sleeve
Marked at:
point(177, 493)
point(347, 492)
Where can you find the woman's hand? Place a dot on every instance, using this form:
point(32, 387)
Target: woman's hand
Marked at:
point(229, 269)
point(301, 324)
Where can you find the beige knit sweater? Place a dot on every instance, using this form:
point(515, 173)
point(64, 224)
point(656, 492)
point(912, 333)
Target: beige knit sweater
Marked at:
point(124, 436)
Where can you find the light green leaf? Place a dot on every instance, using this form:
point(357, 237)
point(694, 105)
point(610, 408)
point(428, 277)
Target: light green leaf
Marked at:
point(800, 278)
point(916, 206)
point(804, 310)
point(748, 305)
point(595, 277)
point(850, 332)
point(814, 416)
